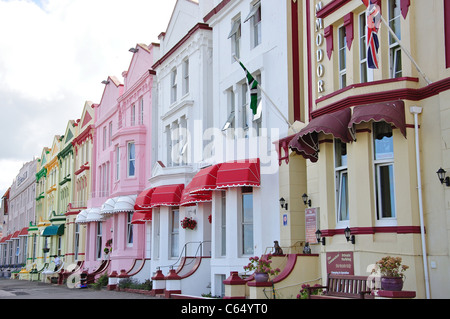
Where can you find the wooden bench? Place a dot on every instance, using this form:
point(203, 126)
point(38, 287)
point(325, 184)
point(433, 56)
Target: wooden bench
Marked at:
point(343, 286)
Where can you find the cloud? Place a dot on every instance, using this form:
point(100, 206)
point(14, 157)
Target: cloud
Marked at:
point(54, 55)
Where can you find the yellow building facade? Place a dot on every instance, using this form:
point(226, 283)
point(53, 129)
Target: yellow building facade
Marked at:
point(366, 143)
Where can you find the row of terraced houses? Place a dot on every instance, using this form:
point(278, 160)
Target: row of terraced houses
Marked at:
point(173, 176)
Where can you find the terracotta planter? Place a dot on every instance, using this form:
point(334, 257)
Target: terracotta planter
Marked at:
point(392, 283)
point(261, 277)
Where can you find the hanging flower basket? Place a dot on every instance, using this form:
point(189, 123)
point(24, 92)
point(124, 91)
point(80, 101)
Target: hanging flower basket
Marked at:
point(189, 223)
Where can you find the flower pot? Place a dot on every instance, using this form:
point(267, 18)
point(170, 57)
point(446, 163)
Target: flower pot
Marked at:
point(261, 277)
point(392, 283)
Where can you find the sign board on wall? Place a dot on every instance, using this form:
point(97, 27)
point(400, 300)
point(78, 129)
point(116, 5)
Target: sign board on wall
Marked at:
point(340, 263)
point(311, 224)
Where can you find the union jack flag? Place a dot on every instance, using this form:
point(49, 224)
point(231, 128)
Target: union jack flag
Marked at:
point(373, 25)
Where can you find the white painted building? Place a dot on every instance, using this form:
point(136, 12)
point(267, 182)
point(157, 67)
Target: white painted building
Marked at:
point(246, 219)
point(183, 111)
point(216, 162)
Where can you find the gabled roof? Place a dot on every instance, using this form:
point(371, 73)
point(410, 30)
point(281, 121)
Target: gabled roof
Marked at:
point(185, 15)
point(56, 146)
point(87, 117)
point(140, 64)
point(112, 91)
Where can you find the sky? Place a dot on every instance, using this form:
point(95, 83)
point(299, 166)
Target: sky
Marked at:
point(54, 54)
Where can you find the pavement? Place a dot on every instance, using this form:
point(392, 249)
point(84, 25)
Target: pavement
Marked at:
point(24, 289)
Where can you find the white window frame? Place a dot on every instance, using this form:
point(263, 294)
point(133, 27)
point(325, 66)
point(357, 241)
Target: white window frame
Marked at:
point(104, 144)
point(244, 105)
point(377, 164)
point(141, 111)
point(231, 107)
point(173, 86)
point(340, 168)
point(98, 240)
point(185, 70)
point(246, 250)
point(223, 224)
point(76, 241)
point(364, 70)
point(133, 115)
point(257, 118)
point(255, 17)
point(130, 159)
point(235, 35)
point(117, 163)
point(394, 47)
point(342, 57)
point(174, 232)
point(129, 229)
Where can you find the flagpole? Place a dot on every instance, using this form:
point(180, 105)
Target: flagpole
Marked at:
point(272, 102)
point(405, 50)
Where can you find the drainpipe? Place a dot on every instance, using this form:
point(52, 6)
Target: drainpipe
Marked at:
point(416, 110)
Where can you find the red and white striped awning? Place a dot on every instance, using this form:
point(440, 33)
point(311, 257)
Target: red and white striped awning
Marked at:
point(239, 173)
point(204, 180)
point(167, 195)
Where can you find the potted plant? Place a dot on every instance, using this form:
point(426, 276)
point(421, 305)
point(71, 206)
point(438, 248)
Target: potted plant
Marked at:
point(189, 223)
point(392, 273)
point(262, 268)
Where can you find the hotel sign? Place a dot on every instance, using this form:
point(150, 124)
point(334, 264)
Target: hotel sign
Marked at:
point(340, 263)
point(311, 224)
point(319, 51)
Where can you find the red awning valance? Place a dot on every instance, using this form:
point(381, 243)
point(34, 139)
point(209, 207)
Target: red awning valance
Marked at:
point(167, 195)
point(204, 180)
point(143, 201)
point(141, 216)
point(189, 199)
point(24, 232)
point(306, 142)
point(389, 112)
point(15, 235)
point(239, 173)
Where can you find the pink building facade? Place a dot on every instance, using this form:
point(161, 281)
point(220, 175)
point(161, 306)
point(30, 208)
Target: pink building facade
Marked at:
point(121, 166)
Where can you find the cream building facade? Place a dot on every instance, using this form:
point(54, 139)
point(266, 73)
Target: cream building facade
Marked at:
point(367, 143)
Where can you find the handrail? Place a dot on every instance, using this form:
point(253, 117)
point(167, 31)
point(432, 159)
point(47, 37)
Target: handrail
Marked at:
point(184, 255)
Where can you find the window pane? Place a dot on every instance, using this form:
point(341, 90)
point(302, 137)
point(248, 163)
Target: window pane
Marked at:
point(384, 144)
point(247, 208)
point(130, 228)
point(386, 189)
point(340, 153)
point(343, 197)
point(247, 224)
point(174, 233)
point(224, 225)
point(131, 159)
